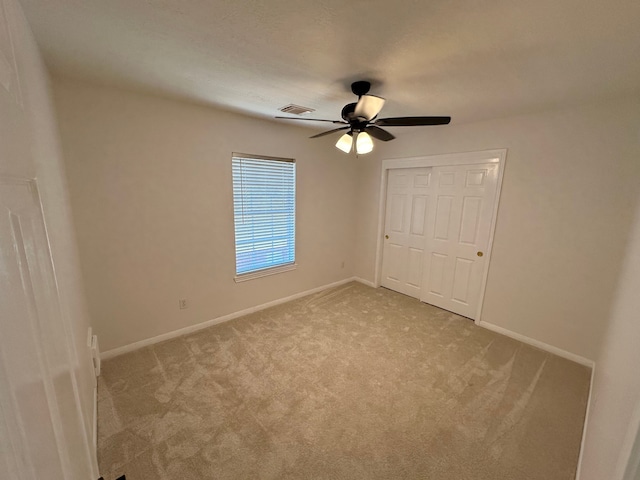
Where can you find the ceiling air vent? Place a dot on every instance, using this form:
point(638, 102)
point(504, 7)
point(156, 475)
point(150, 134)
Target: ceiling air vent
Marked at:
point(296, 109)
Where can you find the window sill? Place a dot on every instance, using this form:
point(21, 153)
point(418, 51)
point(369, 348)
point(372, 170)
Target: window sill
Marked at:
point(263, 273)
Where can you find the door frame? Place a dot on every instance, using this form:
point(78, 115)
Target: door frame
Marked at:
point(497, 156)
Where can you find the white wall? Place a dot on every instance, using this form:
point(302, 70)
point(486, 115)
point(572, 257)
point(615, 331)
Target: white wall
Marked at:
point(570, 182)
point(614, 413)
point(151, 190)
point(29, 148)
point(150, 182)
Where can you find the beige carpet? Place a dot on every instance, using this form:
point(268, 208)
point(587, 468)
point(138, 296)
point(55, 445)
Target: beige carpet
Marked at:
point(350, 383)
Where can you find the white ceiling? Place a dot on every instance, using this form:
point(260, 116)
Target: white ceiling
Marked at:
point(471, 59)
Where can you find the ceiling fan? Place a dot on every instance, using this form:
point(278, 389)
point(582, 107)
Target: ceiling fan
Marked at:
point(362, 122)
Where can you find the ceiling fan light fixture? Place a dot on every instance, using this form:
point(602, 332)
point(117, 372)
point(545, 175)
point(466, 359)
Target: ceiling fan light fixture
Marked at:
point(364, 143)
point(345, 142)
point(368, 107)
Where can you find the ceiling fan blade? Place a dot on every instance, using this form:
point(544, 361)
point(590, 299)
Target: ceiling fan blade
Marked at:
point(368, 106)
point(379, 133)
point(412, 121)
point(312, 120)
point(330, 131)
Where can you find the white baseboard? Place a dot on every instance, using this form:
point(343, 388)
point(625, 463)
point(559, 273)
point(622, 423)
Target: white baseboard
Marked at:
point(225, 318)
point(365, 282)
point(538, 344)
point(94, 463)
point(586, 422)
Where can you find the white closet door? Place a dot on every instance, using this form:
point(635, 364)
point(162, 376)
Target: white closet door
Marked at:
point(459, 227)
point(42, 434)
point(407, 203)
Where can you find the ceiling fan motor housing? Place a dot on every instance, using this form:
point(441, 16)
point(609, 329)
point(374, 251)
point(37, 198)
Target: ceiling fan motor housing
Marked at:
point(357, 124)
point(347, 112)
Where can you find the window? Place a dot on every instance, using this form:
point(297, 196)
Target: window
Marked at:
point(264, 211)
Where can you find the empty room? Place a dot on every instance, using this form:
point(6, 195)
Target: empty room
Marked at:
point(319, 240)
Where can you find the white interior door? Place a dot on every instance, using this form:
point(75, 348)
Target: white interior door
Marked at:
point(459, 229)
point(408, 193)
point(41, 426)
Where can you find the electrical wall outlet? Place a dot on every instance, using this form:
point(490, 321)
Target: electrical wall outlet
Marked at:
point(183, 303)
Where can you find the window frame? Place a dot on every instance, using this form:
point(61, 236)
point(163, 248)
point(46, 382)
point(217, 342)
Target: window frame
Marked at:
point(276, 269)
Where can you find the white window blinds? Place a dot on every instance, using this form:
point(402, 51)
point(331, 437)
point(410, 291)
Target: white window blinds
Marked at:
point(264, 208)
